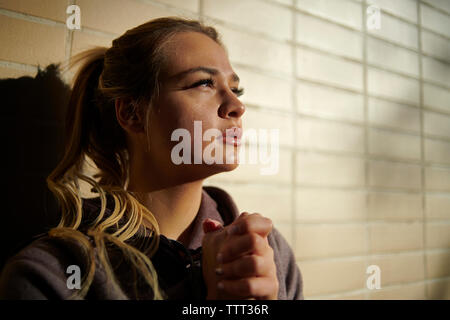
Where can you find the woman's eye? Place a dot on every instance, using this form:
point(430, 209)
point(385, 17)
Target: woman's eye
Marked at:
point(238, 92)
point(208, 82)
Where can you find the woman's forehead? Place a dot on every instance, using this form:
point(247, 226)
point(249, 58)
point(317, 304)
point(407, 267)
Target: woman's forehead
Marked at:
point(188, 50)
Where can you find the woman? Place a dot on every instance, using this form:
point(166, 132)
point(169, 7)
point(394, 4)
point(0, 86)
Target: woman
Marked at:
point(154, 232)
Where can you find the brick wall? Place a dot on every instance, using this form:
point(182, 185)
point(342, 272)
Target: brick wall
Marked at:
point(364, 119)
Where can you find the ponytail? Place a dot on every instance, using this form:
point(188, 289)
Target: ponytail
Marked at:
point(86, 135)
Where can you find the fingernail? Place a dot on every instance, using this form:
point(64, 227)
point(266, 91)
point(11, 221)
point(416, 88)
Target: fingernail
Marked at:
point(220, 285)
point(219, 271)
point(219, 257)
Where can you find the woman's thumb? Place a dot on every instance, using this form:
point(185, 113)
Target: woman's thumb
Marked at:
point(210, 225)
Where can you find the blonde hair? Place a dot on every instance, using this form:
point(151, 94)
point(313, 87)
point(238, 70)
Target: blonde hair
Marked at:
point(130, 69)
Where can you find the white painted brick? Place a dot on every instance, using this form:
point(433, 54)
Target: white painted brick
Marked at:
point(438, 264)
point(395, 236)
point(30, 42)
point(400, 268)
point(395, 145)
point(257, 52)
point(386, 55)
point(328, 135)
point(438, 235)
point(328, 170)
point(329, 102)
point(438, 290)
point(394, 175)
point(191, 5)
point(435, 20)
point(248, 172)
point(15, 73)
point(321, 67)
point(436, 97)
point(110, 16)
point(434, 70)
point(387, 84)
point(49, 9)
point(267, 121)
point(397, 31)
point(331, 276)
point(393, 115)
point(327, 36)
point(406, 9)
point(316, 241)
point(441, 4)
point(343, 295)
point(252, 15)
point(394, 206)
point(270, 201)
point(437, 206)
point(286, 2)
point(345, 12)
point(341, 205)
point(437, 151)
point(436, 124)
point(265, 91)
point(435, 45)
point(413, 291)
point(437, 179)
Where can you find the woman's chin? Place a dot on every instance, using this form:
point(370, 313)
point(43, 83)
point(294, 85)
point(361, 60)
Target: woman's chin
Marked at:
point(217, 168)
point(229, 166)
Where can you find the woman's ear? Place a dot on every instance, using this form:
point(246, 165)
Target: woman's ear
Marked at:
point(128, 116)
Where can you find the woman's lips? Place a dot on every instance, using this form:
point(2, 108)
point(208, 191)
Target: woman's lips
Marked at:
point(232, 136)
point(232, 140)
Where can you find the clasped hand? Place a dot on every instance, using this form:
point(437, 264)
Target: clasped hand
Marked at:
point(237, 261)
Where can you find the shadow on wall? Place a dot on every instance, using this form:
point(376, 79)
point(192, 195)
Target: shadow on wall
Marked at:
point(32, 112)
point(437, 290)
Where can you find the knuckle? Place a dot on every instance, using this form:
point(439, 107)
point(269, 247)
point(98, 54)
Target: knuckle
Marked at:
point(249, 287)
point(254, 263)
point(254, 240)
point(245, 225)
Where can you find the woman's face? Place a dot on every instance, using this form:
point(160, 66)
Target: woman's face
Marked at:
point(198, 84)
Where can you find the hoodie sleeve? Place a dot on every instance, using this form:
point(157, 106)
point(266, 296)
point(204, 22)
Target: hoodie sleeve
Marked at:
point(33, 274)
point(289, 275)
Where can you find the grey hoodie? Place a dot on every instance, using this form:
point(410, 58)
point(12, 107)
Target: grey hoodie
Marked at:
point(39, 271)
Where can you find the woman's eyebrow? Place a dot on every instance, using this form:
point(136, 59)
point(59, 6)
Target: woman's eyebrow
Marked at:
point(211, 71)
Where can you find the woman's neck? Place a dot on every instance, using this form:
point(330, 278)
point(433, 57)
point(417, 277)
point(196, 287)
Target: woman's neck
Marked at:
point(175, 208)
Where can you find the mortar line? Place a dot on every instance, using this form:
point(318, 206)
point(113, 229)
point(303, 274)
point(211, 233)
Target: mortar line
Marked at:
point(294, 132)
point(422, 145)
point(366, 140)
point(201, 11)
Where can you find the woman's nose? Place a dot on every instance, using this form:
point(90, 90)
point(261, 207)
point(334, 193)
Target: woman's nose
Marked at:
point(231, 106)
